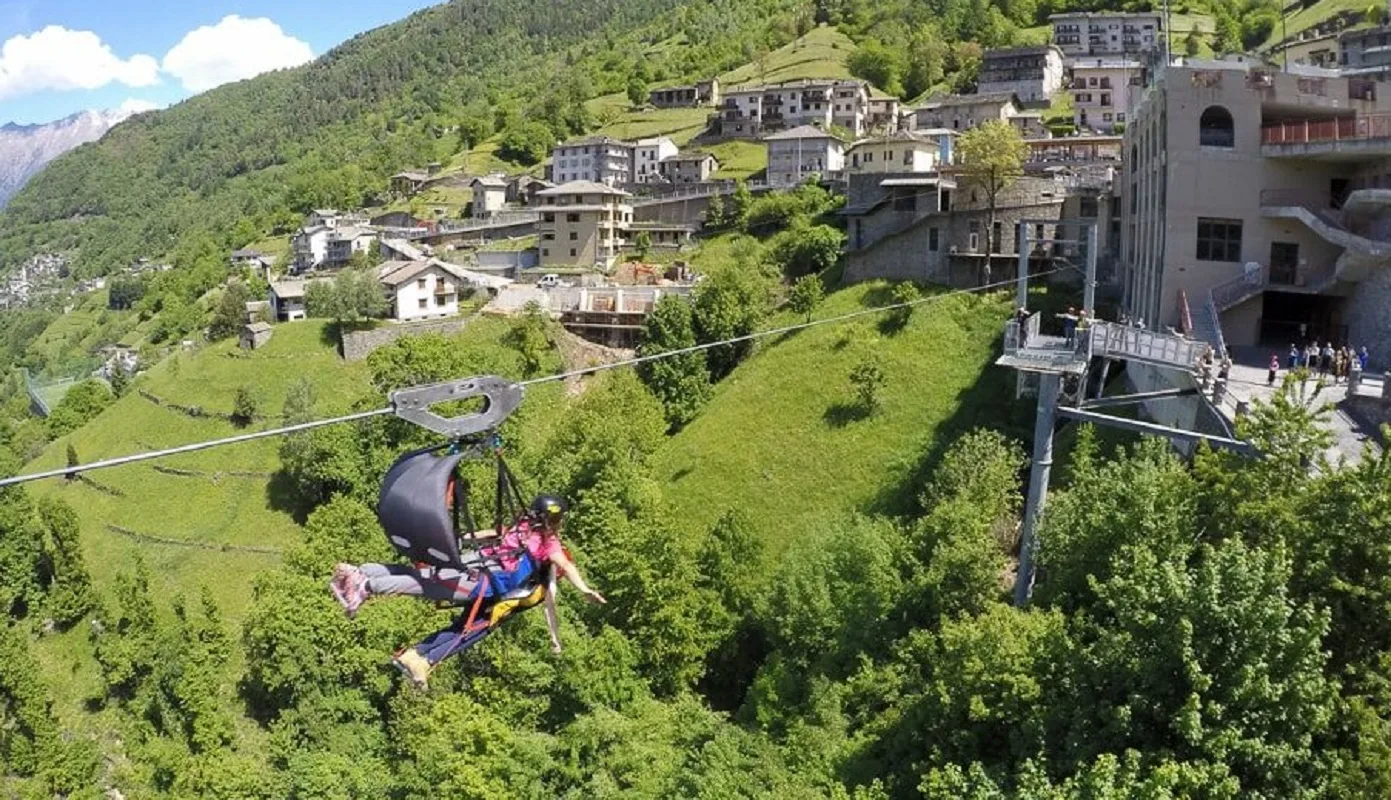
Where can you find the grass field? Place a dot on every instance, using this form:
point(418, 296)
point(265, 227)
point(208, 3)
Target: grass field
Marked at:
point(820, 54)
point(783, 440)
point(739, 158)
point(68, 342)
point(1308, 17)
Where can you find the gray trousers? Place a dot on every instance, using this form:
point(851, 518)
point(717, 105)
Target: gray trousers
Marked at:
point(449, 585)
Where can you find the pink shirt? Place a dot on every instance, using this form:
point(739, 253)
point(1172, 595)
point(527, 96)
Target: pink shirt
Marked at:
point(540, 546)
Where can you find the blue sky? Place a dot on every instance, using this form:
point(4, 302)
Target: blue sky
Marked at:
point(62, 56)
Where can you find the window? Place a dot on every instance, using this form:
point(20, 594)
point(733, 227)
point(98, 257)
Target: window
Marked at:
point(420, 283)
point(932, 239)
point(572, 217)
point(1216, 129)
point(549, 216)
point(572, 252)
point(974, 235)
point(995, 238)
point(423, 303)
point(574, 236)
point(1219, 239)
point(545, 251)
point(548, 237)
point(439, 299)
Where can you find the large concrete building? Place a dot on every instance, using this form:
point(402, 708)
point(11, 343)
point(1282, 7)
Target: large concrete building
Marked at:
point(1365, 52)
point(801, 153)
point(1257, 203)
point(901, 151)
point(1107, 34)
point(751, 111)
point(596, 158)
point(1104, 92)
point(583, 224)
point(1032, 74)
point(962, 112)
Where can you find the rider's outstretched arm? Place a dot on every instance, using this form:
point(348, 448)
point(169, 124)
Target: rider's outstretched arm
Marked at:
point(573, 575)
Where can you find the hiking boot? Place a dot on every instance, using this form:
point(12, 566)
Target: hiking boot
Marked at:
point(350, 590)
point(413, 665)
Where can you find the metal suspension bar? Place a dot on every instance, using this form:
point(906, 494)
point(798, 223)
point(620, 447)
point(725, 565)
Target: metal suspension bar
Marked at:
point(1049, 387)
point(1141, 397)
point(1150, 428)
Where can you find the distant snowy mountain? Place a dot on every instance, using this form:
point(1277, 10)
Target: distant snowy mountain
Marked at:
point(25, 149)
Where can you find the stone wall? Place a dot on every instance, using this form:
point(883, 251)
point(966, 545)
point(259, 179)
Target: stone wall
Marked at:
point(357, 345)
point(1368, 317)
point(676, 210)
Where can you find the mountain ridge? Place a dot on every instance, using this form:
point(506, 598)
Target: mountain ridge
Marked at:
point(25, 149)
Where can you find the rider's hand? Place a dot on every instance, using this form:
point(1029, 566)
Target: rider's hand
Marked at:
point(594, 597)
point(555, 646)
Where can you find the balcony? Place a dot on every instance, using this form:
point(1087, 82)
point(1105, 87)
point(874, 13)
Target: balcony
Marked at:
point(1340, 139)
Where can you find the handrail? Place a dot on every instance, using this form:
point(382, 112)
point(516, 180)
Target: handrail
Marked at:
point(1359, 128)
point(1249, 284)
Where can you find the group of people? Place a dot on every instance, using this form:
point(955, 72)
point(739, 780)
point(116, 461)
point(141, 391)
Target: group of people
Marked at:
point(1074, 321)
point(1323, 360)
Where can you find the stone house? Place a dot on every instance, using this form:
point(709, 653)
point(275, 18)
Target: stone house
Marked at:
point(962, 112)
point(254, 335)
point(692, 167)
point(489, 195)
point(702, 93)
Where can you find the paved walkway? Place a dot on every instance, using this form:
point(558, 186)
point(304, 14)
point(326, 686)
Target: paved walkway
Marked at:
point(1248, 382)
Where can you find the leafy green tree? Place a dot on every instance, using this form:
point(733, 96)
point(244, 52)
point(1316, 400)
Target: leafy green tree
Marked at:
point(32, 746)
point(79, 406)
point(737, 212)
point(527, 143)
point(715, 214)
point(70, 594)
point(230, 314)
point(120, 381)
point(642, 245)
point(1192, 44)
point(807, 293)
point(124, 641)
point(878, 64)
point(804, 250)
point(926, 61)
point(992, 157)
point(244, 406)
point(474, 129)
point(904, 296)
point(73, 460)
point(681, 383)
point(637, 91)
point(867, 380)
point(123, 293)
point(728, 304)
point(529, 334)
point(299, 402)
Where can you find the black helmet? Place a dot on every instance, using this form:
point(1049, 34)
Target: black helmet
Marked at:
point(548, 508)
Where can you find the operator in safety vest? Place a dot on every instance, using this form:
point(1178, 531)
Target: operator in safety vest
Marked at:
point(529, 552)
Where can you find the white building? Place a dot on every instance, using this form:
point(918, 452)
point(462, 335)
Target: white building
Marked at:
point(345, 242)
point(648, 156)
point(489, 195)
point(1032, 74)
point(1107, 34)
point(598, 159)
point(421, 289)
point(310, 247)
point(287, 300)
point(902, 151)
point(1104, 92)
point(801, 153)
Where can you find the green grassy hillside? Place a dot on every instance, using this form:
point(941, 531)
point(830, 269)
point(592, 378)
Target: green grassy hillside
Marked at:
point(229, 501)
point(782, 439)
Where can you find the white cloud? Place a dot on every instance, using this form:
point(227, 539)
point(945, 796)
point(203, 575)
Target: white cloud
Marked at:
point(135, 105)
point(231, 50)
point(58, 59)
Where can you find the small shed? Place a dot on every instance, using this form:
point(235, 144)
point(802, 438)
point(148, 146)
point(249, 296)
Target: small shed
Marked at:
point(254, 335)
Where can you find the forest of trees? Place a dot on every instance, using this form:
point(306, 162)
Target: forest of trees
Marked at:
point(1213, 627)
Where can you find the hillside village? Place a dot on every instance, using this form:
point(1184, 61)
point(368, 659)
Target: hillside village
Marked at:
point(857, 330)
